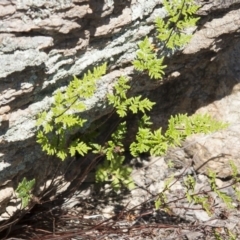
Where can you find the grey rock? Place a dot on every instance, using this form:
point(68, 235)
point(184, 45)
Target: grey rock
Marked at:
point(194, 235)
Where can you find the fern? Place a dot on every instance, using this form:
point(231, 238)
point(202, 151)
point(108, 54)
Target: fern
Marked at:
point(147, 60)
point(192, 197)
point(179, 127)
point(180, 17)
point(63, 116)
point(182, 126)
point(123, 104)
point(24, 191)
point(161, 201)
point(112, 168)
point(226, 199)
point(79, 147)
point(170, 33)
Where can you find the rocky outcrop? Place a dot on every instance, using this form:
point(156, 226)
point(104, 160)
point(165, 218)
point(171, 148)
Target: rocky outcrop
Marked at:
point(44, 43)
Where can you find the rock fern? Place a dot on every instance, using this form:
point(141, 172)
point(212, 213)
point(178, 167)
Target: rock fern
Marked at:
point(24, 191)
point(64, 117)
point(172, 34)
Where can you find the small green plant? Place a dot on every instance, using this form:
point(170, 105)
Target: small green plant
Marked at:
point(64, 117)
point(161, 201)
point(24, 191)
point(112, 168)
point(181, 15)
point(226, 199)
point(179, 127)
point(170, 163)
point(171, 35)
point(147, 60)
point(123, 104)
point(192, 197)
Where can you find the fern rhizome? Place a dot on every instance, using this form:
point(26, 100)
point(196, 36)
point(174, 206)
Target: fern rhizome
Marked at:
point(64, 116)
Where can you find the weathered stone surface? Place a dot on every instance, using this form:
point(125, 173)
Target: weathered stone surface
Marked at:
point(212, 152)
point(44, 43)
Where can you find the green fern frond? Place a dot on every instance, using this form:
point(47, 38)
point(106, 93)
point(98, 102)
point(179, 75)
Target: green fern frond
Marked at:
point(63, 115)
point(24, 191)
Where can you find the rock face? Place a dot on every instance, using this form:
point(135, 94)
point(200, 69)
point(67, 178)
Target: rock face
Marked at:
point(44, 43)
